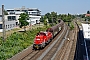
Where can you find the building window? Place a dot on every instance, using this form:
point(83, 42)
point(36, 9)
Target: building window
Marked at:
point(13, 25)
point(10, 18)
point(0, 18)
point(16, 23)
point(13, 17)
point(12, 12)
point(88, 27)
point(88, 31)
point(29, 12)
point(24, 10)
point(0, 26)
point(8, 26)
point(17, 10)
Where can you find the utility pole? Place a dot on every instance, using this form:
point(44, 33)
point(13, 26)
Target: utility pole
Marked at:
point(3, 20)
point(30, 24)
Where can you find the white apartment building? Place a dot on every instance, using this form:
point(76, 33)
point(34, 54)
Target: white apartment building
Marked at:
point(11, 20)
point(34, 14)
point(9, 24)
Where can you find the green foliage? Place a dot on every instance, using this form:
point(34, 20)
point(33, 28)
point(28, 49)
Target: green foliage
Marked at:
point(87, 18)
point(51, 16)
point(5, 12)
point(66, 18)
point(81, 15)
point(45, 17)
point(88, 12)
point(45, 22)
point(71, 26)
point(54, 16)
point(48, 15)
point(23, 19)
point(17, 42)
point(42, 19)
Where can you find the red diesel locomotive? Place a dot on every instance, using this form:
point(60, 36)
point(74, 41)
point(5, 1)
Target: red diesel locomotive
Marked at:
point(43, 38)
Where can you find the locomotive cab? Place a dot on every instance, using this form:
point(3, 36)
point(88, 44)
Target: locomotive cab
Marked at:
point(41, 39)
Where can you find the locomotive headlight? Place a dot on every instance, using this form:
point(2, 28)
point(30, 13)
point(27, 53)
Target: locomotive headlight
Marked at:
point(37, 46)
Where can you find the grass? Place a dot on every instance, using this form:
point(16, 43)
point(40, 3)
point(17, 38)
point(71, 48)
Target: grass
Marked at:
point(79, 23)
point(16, 29)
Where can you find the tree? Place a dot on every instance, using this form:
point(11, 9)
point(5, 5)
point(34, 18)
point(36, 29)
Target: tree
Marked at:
point(69, 17)
point(66, 18)
point(59, 16)
point(48, 15)
point(42, 19)
point(88, 12)
point(45, 21)
point(23, 20)
point(54, 16)
point(81, 15)
point(87, 18)
point(5, 12)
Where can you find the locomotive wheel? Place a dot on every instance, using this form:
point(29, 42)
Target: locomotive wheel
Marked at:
point(34, 48)
point(43, 45)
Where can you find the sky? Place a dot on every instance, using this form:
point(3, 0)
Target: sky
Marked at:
point(59, 6)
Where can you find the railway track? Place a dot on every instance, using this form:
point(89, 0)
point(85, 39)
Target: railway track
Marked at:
point(42, 51)
point(49, 54)
point(73, 48)
point(35, 55)
point(31, 55)
point(65, 51)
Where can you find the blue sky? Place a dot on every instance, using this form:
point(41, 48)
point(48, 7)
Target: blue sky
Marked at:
point(59, 6)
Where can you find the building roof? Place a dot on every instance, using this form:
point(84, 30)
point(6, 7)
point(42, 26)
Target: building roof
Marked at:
point(24, 8)
point(87, 15)
point(27, 9)
point(86, 30)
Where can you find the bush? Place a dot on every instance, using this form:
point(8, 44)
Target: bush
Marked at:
point(17, 42)
point(71, 26)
